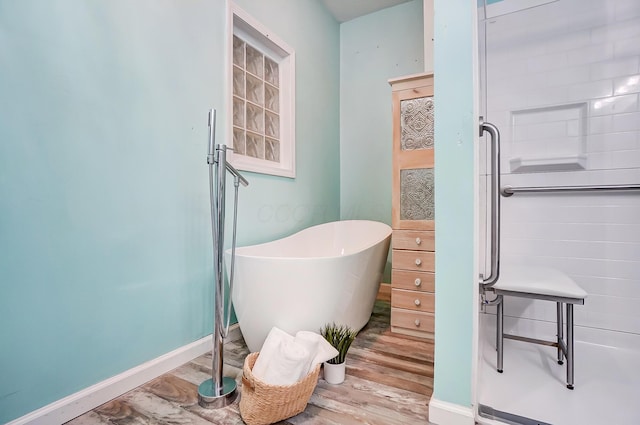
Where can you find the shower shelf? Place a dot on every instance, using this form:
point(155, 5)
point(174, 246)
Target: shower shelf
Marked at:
point(547, 164)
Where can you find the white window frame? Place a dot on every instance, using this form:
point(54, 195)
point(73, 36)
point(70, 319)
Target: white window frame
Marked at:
point(246, 27)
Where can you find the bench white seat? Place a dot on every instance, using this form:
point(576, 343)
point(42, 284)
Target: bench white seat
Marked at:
point(538, 280)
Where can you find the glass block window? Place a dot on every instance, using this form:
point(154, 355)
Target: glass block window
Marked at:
point(416, 123)
point(256, 100)
point(262, 86)
point(416, 194)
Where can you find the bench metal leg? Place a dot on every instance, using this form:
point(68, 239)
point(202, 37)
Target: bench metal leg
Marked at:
point(500, 334)
point(570, 346)
point(564, 344)
point(560, 334)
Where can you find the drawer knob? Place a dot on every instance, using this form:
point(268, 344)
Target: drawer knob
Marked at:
point(418, 241)
point(417, 302)
point(418, 282)
point(418, 261)
point(417, 322)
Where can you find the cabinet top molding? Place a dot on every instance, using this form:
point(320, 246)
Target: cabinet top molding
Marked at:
point(411, 77)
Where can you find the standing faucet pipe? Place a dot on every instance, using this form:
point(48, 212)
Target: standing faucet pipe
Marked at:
point(219, 391)
point(236, 183)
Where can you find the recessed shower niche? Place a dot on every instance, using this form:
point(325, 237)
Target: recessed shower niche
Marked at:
point(549, 138)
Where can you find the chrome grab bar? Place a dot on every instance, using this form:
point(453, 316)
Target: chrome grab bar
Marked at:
point(495, 203)
point(507, 190)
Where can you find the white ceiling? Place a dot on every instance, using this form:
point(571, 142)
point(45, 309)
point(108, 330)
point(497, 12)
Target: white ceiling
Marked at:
point(345, 10)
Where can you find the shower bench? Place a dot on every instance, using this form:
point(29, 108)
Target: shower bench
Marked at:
point(540, 283)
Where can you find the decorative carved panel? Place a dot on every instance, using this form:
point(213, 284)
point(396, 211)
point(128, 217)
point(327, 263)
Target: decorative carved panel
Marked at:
point(416, 194)
point(416, 123)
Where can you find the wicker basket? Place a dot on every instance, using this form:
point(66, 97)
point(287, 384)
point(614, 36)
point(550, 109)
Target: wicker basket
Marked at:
point(263, 404)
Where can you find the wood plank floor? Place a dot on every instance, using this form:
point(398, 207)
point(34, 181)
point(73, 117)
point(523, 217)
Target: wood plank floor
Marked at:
point(389, 382)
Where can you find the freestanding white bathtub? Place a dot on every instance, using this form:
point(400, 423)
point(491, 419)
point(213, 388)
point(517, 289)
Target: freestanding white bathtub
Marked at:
point(322, 274)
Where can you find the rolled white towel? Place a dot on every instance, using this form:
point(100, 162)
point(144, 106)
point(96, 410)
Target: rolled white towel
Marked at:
point(289, 366)
point(322, 352)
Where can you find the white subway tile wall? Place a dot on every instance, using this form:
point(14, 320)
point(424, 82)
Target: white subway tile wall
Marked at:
point(564, 79)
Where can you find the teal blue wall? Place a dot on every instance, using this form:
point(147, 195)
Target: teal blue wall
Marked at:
point(373, 48)
point(454, 181)
point(104, 209)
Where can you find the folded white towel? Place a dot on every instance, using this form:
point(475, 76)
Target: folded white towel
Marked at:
point(318, 347)
point(270, 350)
point(310, 343)
point(289, 366)
point(284, 360)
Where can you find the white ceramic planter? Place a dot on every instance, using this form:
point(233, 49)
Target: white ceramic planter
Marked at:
point(334, 373)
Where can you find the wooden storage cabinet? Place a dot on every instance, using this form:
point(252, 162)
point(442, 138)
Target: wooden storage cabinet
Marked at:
point(413, 221)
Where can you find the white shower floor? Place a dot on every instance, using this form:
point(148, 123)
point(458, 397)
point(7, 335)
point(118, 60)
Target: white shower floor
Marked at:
point(607, 384)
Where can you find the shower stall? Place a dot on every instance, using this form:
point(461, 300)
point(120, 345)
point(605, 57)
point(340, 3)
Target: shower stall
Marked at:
point(560, 79)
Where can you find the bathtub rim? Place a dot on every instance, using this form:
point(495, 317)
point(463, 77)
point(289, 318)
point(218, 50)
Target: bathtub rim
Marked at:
point(315, 258)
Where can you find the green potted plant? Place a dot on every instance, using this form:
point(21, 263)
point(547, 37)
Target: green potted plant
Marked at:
point(340, 337)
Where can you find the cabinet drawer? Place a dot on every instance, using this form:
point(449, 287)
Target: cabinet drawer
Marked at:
point(416, 281)
point(417, 240)
point(413, 260)
point(415, 320)
point(413, 300)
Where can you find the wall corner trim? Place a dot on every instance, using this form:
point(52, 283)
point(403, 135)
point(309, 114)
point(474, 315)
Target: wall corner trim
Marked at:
point(76, 404)
point(445, 413)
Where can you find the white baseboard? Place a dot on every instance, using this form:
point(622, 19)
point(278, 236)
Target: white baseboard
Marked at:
point(444, 413)
point(89, 398)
